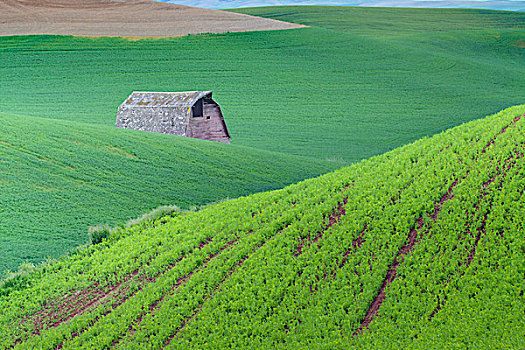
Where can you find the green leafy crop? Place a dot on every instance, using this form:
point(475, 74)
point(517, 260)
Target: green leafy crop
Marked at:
point(421, 247)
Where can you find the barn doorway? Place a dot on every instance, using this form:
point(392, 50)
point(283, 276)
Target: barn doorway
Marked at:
point(212, 126)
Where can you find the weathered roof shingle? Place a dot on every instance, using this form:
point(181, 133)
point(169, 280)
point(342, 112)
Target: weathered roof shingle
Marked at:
point(164, 99)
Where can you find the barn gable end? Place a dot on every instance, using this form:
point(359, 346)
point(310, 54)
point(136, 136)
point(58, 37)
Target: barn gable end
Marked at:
point(191, 113)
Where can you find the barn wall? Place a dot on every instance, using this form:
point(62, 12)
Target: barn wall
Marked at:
point(210, 126)
point(167, 120)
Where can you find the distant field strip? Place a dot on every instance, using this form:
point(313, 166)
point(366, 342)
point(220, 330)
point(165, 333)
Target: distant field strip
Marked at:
point(131, 18)
point(390, 251)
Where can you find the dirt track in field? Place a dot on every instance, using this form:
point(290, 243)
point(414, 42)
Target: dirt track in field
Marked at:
point(130, 18)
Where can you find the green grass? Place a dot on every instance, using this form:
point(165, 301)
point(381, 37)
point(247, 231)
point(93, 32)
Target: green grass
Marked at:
point(433, 229)
point(359, 82)
point(59, 177)
point(389, 23)
point(355, 84)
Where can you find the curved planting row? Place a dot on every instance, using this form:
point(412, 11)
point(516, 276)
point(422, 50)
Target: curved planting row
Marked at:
point(404, 248)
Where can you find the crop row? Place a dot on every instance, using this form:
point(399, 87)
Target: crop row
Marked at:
point(381, 251)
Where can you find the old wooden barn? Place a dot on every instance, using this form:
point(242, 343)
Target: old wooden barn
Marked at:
point(190, 113)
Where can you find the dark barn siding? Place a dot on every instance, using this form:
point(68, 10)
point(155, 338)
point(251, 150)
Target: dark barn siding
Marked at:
point(211, 125)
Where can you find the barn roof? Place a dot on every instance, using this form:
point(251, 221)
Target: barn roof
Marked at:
point(164, 99)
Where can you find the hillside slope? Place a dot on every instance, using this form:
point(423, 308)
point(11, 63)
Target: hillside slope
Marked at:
point(122, 18)
point(59, 177)
point(359, 82)
point(422, 247)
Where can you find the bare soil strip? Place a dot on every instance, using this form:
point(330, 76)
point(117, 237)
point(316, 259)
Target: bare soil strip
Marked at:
point(356, 243)
point(112, 294)
point(491, 142)
point(392, 271)
point(57, 313)
point(482, 229)
point(207, 297)
point(78, 302)
point(129, 18)
point(500, 172)
point(146, 281)
point(181, 281)
point(332, 220)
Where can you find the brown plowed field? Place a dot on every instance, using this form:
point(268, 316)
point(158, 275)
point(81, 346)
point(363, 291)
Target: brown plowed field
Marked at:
point(131, 18)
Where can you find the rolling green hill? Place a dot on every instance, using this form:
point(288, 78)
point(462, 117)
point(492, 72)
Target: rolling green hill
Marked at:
point(421, 247)
point(359, 82)
point(58, 177)
point(355, 84)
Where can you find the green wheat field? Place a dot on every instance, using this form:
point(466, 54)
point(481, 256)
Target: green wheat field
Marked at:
point(371, 196)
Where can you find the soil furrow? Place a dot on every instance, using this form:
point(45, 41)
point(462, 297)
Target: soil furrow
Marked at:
point(60, 312)
point(217, 287)
point(335, 216)
point(209, 296)
point(332, 220)
point(116, 290)
point(73, 306)
point(356, 243)
point(181, 281)
point(500, 173)
point(491, 142)
point(392, 270)
point(482, 229)
point(112, 290)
